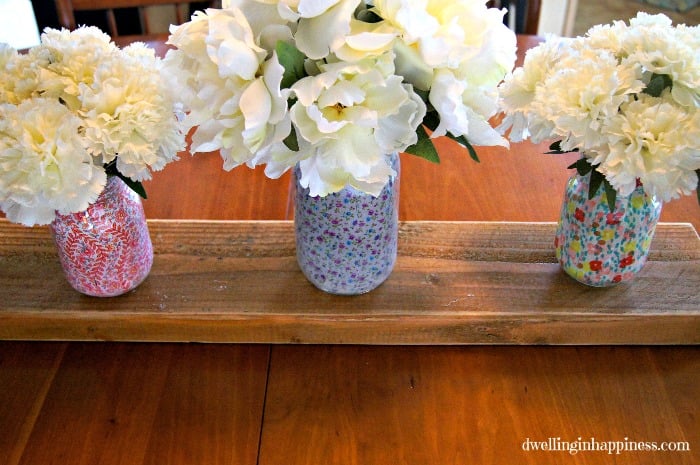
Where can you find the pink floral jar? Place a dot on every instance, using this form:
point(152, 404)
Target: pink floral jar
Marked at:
point(105, 250)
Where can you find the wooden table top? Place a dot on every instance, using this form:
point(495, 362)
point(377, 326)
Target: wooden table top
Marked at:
point(164, 403)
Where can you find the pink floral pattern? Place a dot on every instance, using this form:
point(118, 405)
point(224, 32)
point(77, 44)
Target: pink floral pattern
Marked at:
point(105, 250)
point(600, 247)
point(347, 241)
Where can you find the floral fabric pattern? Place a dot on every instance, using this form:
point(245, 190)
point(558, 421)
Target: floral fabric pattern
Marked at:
point(105, 250)
point(600, 247)
point(347, 241)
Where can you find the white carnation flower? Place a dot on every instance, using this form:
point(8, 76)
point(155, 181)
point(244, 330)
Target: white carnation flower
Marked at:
point(129, 115)
point(71, 106)
point(519, 89)
point(17, 75)
point(46, 168)
point(656, 141)
point(582, 91)
point(69, 58)
point(667, 51)
point(347, 119)
point(627, 96)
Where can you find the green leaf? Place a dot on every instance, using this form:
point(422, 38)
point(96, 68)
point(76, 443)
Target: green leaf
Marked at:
point(582, 166)
point(424, 148)
point(292, 60)
point(657, 84)
point(555, 149)
point(595, 183)
point(596, 180)
point(431, 120)
point(611, 194)
point(136, 186)
point(424, 95)
point(368, 16)
point(291, 141)
point(461, 140)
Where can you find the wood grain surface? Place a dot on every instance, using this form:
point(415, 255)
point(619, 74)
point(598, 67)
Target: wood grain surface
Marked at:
point(453, 283)
point(463, 405)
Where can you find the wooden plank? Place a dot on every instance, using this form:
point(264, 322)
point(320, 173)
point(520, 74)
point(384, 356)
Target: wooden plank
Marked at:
point(152, 404)
point(454, 283)
point(338, 405)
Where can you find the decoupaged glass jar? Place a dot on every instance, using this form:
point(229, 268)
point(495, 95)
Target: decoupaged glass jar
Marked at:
point(346, 242)
point(106, 249)
point(602, 246)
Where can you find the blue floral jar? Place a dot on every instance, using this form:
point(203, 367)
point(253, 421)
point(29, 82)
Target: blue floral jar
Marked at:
point(346, 242)
point(599, 246)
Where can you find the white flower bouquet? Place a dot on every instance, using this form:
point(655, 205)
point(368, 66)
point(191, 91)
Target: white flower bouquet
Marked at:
point(627, 96)
point(335, 85)
point(74, 110)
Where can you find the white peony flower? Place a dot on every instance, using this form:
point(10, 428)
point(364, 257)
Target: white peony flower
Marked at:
point(229, 88)
point(45, 164)
point(460, 51)
point(349, 70)
point(265, 20)
point(347, 119)
point(463, 110)
point(322, 25)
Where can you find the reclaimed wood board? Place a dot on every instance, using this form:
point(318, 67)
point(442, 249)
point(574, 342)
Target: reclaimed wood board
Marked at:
point(454, 283)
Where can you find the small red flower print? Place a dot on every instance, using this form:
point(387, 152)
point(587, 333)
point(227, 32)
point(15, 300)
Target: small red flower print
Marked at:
point(617, 278)
point(613, 218)
point(627, 261)
point(596, 265)
point(579, 215)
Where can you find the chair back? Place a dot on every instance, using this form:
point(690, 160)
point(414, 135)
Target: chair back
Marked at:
point(527, 14)
point(66, 10)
